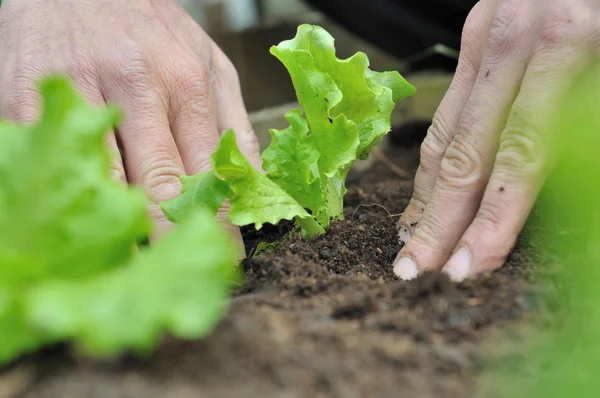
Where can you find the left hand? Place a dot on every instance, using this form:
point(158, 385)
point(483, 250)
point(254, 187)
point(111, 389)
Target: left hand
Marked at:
point(487, 154)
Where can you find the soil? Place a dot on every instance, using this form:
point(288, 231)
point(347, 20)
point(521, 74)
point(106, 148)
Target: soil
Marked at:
point(325, 318)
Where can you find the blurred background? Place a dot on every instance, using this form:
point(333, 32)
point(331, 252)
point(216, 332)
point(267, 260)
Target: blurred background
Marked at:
point(420, 39)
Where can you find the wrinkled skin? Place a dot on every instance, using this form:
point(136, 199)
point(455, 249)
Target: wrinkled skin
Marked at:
point(490, 146)
point(177, 88)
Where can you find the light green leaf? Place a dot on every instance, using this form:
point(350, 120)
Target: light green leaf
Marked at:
point(394, 81)
point(254, 199)
point(203, 190)
point(334, 136)
point(291, 162)
point(341, 87)
point(181, 285)
point(61, 215)
point(348, 109)
point(67, 232)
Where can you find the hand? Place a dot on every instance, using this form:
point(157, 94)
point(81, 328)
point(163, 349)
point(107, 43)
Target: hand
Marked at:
point(177, 88)
point(487, 152)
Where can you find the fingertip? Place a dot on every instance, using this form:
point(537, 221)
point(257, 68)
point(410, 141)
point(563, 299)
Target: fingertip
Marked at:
point(458, 268)
point(405, 268)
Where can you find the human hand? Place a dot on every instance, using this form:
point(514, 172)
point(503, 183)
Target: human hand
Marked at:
point(489, 148)
point(177, 88)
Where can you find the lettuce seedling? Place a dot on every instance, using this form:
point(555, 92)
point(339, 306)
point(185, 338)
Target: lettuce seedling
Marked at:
point(346, 110)
point(67, 230)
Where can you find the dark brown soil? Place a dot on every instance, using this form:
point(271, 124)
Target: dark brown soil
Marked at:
point(326, 318)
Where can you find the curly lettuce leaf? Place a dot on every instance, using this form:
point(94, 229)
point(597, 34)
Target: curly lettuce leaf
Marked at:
point(348, 109)
point(67, 268)
point(181, 285)
point(200, 190)
point(292, 156)
point(366, 98)
point(255, 199)
point(61, 214)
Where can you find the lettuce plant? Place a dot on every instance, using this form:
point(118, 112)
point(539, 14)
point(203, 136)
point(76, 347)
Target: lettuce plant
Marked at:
point(67, 268)
point(346, 110)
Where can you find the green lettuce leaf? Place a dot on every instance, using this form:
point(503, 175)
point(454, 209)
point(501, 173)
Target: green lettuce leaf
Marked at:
point(58, 203)
point(348, 109)
point(329, 88)
point(181, 285)
point(61, 215)
point(255, 199)
point(67, 231)
point(200, 190)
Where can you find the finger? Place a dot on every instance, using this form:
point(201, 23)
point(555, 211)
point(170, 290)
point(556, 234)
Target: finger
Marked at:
point(231, 111)
point(92, 93)
point(522, 164)
point(446, 118)
point(192, 113)
point(91, 90)
point(467, 163)
point(231, 114)
point(151, 156)
point(193, 120)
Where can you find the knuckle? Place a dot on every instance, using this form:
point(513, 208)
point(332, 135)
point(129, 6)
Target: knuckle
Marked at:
point(157, 214)
point(201, 163)
point(473, 27)
point(7, 19)
point(471, 42)
point(160, 178)
point(117, 171)
point(24, 74)
point(425, 235)
point(433, 146)
point(21, 98)
point(192, 80)
point(507, 27)
point(521, 151)
point(421, 194)
point(130, 66)
point(565, 24)
point(439, 132)
point(81, 68)
point(460, 165)
point(416, 205)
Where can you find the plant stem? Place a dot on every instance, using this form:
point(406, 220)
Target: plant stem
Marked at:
point(334, 194)
point(310, 226)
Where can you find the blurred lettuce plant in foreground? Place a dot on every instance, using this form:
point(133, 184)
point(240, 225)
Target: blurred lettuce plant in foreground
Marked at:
point(561, 357)
point(67, 230)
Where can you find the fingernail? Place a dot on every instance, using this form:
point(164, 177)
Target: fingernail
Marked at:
point(403, 235)
point(406, 269)
point(459, 265)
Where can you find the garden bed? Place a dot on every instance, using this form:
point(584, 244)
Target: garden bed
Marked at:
point(321, 318)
